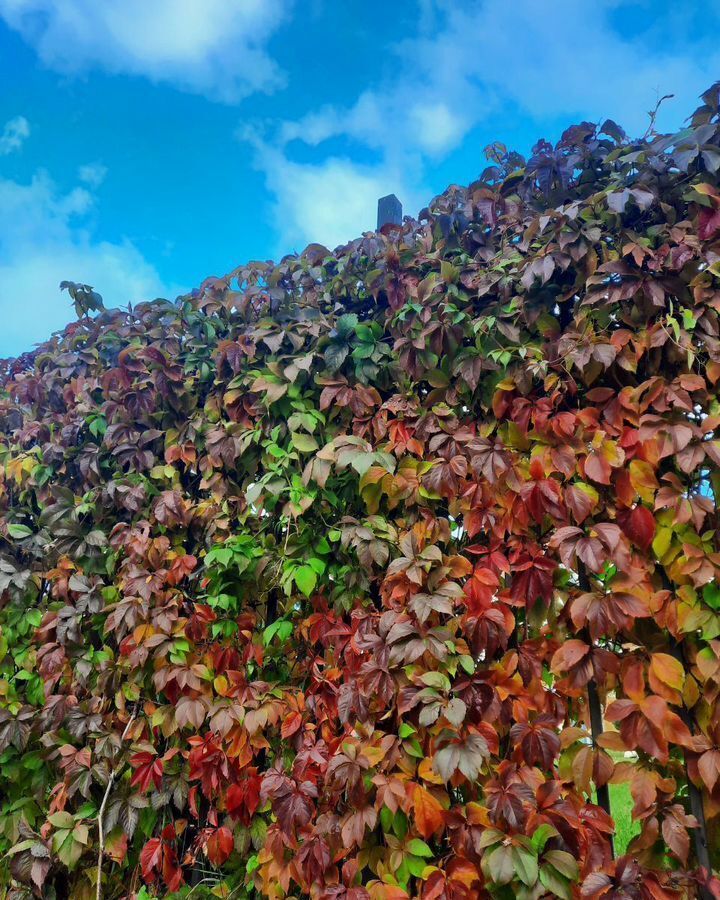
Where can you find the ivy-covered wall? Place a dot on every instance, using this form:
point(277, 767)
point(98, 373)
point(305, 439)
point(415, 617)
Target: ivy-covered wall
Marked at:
point(361, 575)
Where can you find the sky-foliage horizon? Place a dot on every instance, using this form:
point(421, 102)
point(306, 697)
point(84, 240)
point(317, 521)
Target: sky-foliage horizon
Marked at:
point(146, 146)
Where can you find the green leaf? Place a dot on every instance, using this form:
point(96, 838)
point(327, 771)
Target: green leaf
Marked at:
point(68, 850)
point(553, 881)
point(306, 579)
point(500, 866)
point(662, 541)
point(526, 865)
point(419, 848)
point(335, 355)
point(711, 595)
point(541, 836)
point(61, 820)
point(87, 811)
point(400, 824)
point(489, 837)
point(317, 565)
point(467, 663)
point(363, 351)
point(346, 325)
point(436, 680)
point(305, 443)
point(386, 819)
point(258, 832)
point(285, 629)
point(437, 378)
point(362, 461)
point(564, 862)
point(34, 617)
point(689, 320)
point(415, 865)
point(270, 632)
point(414, 749)
point(449, 272)
point(18, 532)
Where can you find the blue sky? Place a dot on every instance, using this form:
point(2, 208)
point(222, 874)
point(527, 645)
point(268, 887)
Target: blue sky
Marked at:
point(146, 145)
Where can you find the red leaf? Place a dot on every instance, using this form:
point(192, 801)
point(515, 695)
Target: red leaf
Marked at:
point(709, 223)
point(597, 467)
point(148, 769)
point(150, 859)
point(640, 527)
point(243, 799)
point(219, 846)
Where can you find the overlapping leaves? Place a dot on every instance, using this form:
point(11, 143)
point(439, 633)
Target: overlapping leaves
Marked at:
point(316, 581)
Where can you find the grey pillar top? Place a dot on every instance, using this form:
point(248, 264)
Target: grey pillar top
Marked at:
point(389, 211)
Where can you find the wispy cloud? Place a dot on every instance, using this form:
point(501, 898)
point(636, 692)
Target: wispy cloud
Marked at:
point(47, 236)
point(92, 174)
point(468, 65)
point(211, 47)
point(14, 134)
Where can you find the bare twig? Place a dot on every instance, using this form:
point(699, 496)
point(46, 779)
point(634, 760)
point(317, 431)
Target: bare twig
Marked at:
point(653, 115)
point(101, 813)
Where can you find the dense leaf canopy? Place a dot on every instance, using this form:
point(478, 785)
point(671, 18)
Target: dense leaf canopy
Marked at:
point(359, 576)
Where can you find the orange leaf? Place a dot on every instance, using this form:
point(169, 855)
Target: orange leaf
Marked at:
point(429, 816)
point(290, 724)
point(462, 871)
point(709, 768)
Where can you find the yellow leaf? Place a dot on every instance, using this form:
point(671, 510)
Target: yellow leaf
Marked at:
point(666, 670)
point(661, 542)
point(643, 480)
point(427, 773)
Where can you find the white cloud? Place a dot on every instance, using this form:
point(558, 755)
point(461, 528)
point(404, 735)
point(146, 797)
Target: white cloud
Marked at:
point(92, 174)
point(439, 128)
point(210, 47)
point(46, 237)
point(566, 60)
point(473, 63)
point(384, 120)
point(14, 135)
point(330, 203)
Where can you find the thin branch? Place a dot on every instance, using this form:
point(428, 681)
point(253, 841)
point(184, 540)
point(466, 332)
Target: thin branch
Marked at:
point(101, 813)
point(653, 116)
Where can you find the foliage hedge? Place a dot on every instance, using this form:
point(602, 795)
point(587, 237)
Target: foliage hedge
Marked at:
point(359, 576)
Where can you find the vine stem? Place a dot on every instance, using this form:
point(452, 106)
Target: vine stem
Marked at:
point(101, 813)
point(596, 716)
point(697, 808)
